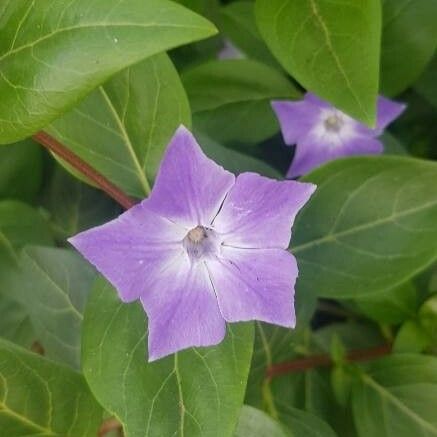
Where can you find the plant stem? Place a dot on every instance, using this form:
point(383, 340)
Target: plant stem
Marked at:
point(303, 364)
point(81, 166)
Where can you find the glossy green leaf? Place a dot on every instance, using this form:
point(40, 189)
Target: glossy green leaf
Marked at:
point(75, 207)
point(409, 40)
point(331, 48)
point(52, 54)
point(237, 21)
point(53, 287)
point(396, 397)
point(33, 397)
point(20, 170)
point(370, 225)
point(197, 392)
point(123, 127)
point(230, 99)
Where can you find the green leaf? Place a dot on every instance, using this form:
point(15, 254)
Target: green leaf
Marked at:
point(426, 85)
point(123, 127)
point(409, 40)
point(392, 306)
point(237, 21)
point(331, 48)
point(52, 287)
point(20, 170)
point(396, 397)
point(74, 206)
point(256, 423)
point(53, 54)
point(15, 323)
point(197, 392)
point(230, 99)
point(411, 337)
point(234, 160)
point(20, 225)
point(369, 227)
point(33, 397)
point(302, 423)
point(293, 423)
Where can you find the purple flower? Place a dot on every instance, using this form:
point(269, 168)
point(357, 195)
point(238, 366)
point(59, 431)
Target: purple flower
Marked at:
point(203, 249)
point(322, 133)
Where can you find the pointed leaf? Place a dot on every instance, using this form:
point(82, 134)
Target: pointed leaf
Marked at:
point(197, 392)
point(331, 48)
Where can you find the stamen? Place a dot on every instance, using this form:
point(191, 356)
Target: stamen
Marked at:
point(333, 123)
point(201, 242)
point(197, 234)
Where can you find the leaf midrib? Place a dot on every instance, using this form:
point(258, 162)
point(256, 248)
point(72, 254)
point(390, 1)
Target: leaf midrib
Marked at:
point(367, 379)
point(91, 26)
point(4, 409)
point(335, 235)
point(324, 28)
point(141, 173)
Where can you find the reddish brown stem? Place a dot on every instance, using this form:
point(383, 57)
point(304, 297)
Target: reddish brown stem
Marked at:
point(109, 425)
point(303, 364)
point(81, 166)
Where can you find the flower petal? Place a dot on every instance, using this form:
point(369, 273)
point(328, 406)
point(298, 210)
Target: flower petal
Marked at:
point(259, 212)
point(132, 249)
point(255, 284)
point(183, 310)
point(313, 151)
point(189, 187)
point(388, 110)
point(295, 118)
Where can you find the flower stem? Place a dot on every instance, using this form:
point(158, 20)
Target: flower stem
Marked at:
point(81, 166)
point(303, 364)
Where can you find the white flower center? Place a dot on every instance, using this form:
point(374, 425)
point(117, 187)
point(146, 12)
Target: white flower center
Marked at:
point(333, 123)
point(201, 242)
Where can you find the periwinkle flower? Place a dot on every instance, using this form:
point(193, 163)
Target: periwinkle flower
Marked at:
point(203, 249)
point(323, 133)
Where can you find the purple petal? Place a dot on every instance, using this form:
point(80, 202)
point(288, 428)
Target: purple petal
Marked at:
point(388, 110)
point(259, 212)
point(313, 151)
point(295, 118)
point(130, 250)
point(255, 284)
point(317, 101)
point(189, 187)
point(182, 310)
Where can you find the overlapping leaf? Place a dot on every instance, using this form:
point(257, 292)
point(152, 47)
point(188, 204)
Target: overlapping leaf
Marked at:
point(230, 99)
point(409, 40)
point(331, 48)
point(41, 398)
point(369, 227)
point(122, 128)
point(197, 392)
point(54, 53)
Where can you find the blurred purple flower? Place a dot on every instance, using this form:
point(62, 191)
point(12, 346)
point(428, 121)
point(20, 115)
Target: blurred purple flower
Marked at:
point(322, 133)
point(203, 249)
point(229, 51)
